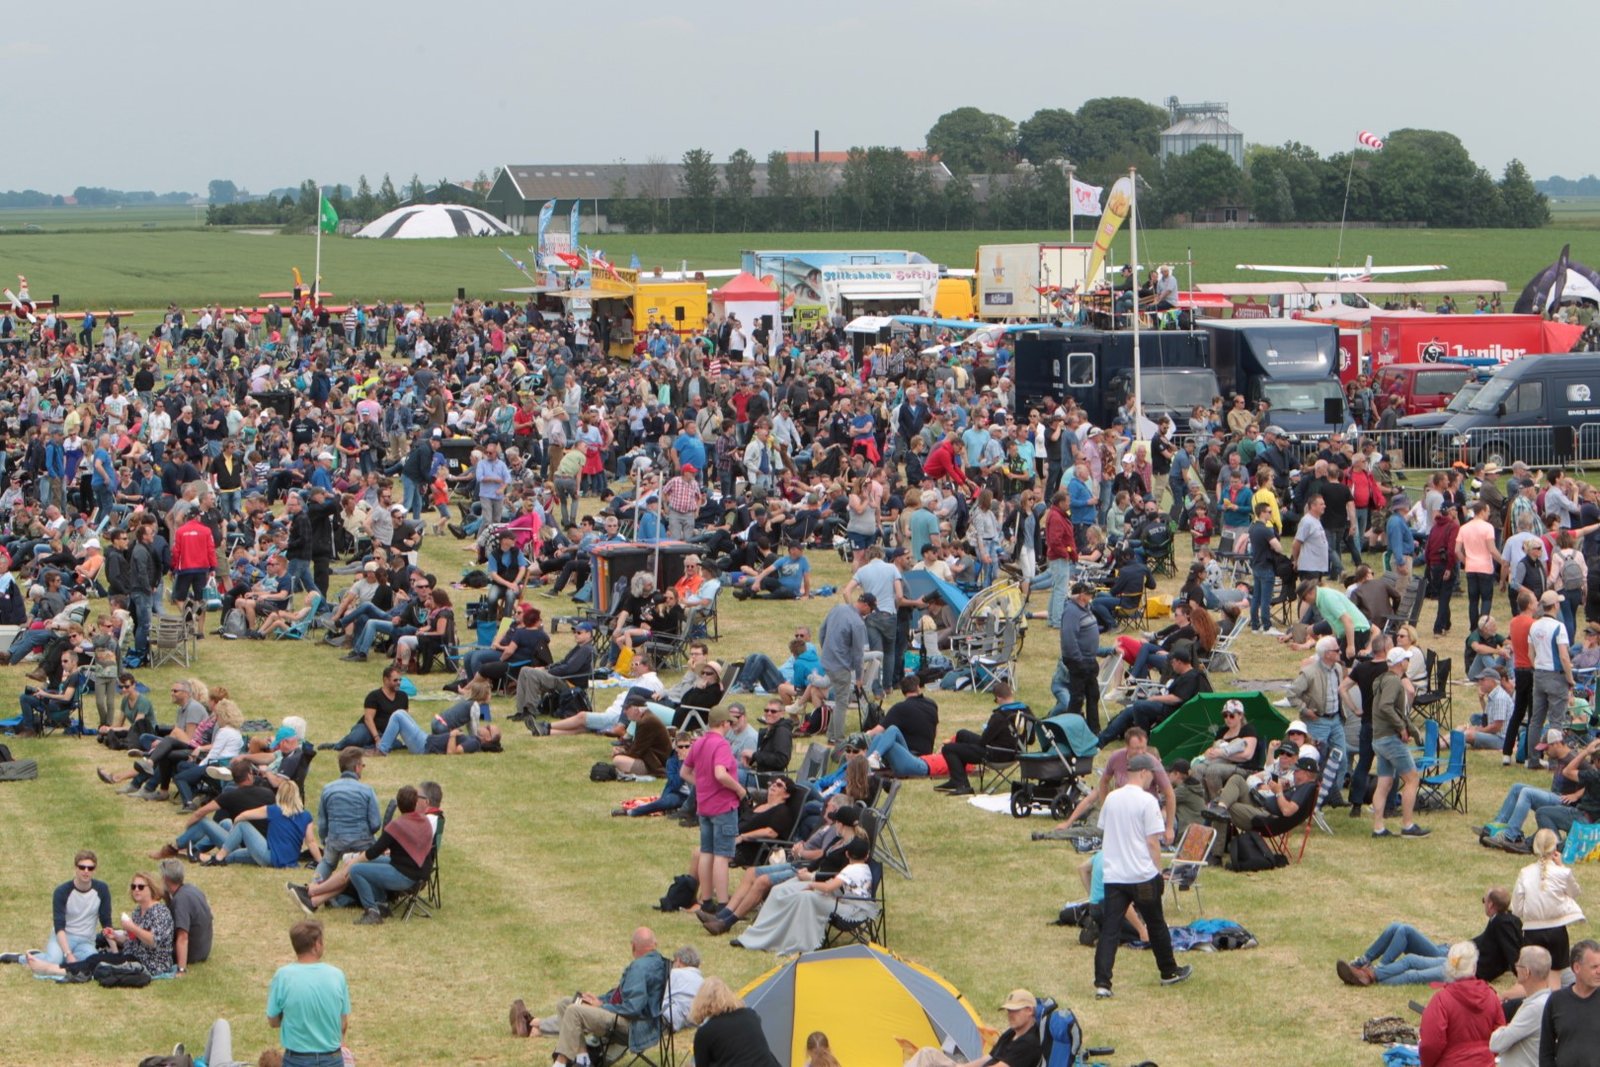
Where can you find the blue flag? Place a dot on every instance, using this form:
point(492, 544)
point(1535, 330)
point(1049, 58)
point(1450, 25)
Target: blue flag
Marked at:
point(572, 225)
point(633, 261)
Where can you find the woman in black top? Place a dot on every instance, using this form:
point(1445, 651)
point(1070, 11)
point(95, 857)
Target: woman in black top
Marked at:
point(526, 645)
point(1237, 750)
point(772, 820)
point(727, 1034)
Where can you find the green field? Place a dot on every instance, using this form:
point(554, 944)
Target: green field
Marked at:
point(81, 219)
point(542, 889)
point(142, 268)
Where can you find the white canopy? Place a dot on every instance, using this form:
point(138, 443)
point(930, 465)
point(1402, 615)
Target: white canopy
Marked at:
point(435, 220)
point(869, 324)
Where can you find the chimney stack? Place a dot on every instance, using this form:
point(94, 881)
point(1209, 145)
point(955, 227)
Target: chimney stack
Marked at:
point(816, 146)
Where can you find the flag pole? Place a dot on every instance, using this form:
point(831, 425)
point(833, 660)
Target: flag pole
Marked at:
point(316, 269)
point(1072, 207)
point(1338, 256)
point(1133, 257)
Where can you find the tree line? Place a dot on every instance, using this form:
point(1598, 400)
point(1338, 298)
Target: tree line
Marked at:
point(1424, 176)
point(298, 207)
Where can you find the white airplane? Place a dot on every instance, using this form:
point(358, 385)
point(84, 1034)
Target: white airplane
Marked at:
point(1344, 274)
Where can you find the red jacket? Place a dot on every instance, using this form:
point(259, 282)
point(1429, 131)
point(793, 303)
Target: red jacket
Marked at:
point(193, 548)
point(1059, 541)
point(1457, 1023)
point(942, 463)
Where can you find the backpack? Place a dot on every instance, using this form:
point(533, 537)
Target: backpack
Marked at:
point(234, 623)
point(603, 772)
point(1249, 852)
point(121, 975)
point(1063, 1039)
point(680, 894)
point(1571, 573)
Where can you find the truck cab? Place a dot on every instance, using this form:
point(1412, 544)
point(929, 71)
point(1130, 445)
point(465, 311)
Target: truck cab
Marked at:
point(1294, 366)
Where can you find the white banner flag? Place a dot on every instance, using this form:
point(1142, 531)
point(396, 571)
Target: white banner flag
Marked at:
point(1085, 198)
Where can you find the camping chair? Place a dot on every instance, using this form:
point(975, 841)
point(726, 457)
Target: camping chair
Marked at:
point(1438, 703)
point(1448, 788)
point(886, 845)
point(1222, 659)
point(660, 1054)
point(1193, 855)
point(999, 766)
point(1113, 679)
point(1131, 616)
point(813, 765)
point(998, 665)
point(1410, 608)
point(427, 895)
point(297, 630)
point(868, 930)
point(171, 641)
point(1426, 756)
point(705, 622)
point(1158, 544)
point(60, 718)
point(1281, 839)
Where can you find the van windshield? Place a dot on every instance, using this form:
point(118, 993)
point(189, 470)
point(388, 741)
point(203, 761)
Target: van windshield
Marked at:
point(1489, 398)
point(1301, 398)
point(1177, 392)
point(1461, 400)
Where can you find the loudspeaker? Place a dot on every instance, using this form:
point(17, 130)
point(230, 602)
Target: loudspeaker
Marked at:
point(677, 313)
point(1333, 411)
point(461, 292)
point(766, 323)
point(55, 300)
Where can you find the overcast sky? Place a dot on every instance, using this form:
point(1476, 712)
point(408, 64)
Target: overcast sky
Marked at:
point(170, 95)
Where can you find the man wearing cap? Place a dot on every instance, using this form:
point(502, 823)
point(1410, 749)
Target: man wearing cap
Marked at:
point(683, 499)
point(1277, 801)
point(1017, 1046)
point(1315, 695)
point(1187, 680)
point(358, 598)
point(1132, 828)
point(1524, 798)
point(1391, 743)
point(322, 472)
point(1550, 650)
point(574, 669)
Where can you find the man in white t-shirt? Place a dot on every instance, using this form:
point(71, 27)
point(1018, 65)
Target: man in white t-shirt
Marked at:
point(1550, 649)
point(1132, 827)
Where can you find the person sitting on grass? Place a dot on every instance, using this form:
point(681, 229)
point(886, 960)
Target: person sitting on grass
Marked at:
point(1403, 955)
point(642, 681)
point(1018, 1046)
point(145, 938)
point(289, 831)
point(80, 908)
point(674, 791)
point(1525, 798)
point(647, 751)
point(400, 859)
point(786, 578)
point(1495, 697)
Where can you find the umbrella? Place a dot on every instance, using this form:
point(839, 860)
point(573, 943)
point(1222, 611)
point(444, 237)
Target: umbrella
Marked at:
point(920, 583)
point(1189, 731)
point(828, 990)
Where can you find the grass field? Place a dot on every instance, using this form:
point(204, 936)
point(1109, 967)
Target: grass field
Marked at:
point(144, 268)
point(542, 890)
point(83, 219)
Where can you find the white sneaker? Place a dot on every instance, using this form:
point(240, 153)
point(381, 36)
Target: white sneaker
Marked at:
point(1505, 761)
point(1274, 632)
point(875, 761)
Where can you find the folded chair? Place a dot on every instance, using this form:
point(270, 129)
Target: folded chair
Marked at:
point(1193, 856)
point(427, 895)
point(1448, 788)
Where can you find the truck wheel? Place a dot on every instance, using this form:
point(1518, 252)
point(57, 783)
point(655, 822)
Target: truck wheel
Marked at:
point(1497, 453)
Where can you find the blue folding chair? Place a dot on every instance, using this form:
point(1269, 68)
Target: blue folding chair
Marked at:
point(1427, 756)
point(1448, 788)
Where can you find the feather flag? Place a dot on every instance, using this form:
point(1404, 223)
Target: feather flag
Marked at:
point(633, 261)
point(545, 212)
point(1368, 139)
point(572, 226)
point(327, 218)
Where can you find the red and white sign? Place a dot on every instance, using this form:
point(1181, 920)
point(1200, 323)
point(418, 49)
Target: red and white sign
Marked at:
point(1085, 198)
point(1432, 338)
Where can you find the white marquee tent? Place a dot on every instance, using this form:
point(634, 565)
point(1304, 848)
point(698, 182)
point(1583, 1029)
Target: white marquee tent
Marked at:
point(435, 220)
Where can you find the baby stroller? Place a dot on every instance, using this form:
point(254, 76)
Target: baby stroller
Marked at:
point(1055, 778)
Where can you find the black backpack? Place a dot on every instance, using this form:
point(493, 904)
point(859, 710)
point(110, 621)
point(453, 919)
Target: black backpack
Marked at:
point(1249, 852)
point(680, 894)
point(121, 975)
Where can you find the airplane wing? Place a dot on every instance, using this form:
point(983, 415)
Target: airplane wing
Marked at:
point(1411, 268)
point(1321, 272)
point(682, 276)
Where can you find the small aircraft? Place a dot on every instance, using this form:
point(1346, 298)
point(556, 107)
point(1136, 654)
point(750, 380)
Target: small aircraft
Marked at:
point(1342, 274)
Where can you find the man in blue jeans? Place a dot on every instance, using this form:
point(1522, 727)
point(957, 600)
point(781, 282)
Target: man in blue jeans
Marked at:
point(1523, 799)
point(1403, 955)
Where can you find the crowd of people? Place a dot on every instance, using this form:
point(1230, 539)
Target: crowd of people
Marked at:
point(241, 477)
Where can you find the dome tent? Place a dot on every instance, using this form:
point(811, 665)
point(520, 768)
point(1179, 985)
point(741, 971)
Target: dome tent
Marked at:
point(435, 220)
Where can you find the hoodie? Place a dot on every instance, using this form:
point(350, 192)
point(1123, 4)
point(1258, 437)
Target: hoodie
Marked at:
point(1457, 1023)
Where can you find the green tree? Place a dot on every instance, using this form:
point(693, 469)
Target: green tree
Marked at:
point(1525, 207)
point(1050, 133)
point(855, 187)
point(1117, 132)
point(480, 189)
point(362, 203)
point(221, 191)
point(388, 199)
point(960, 204)
point(739, 178)
point(925, 205)
point(808, 211)
point(699, 182)
point(969, 140)
point(780, 191)
point(415, 190)
point(1205, 177)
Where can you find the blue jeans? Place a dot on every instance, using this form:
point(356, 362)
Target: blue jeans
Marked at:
point(187, 778)
point(1061, 687)
point(1141, 713)
point(1401, 939)
point(30, 641)
point(1328, 735)
point(1150, 655)
point(359, 737)
point(1059, 581)
point(313, 1059)
point(205, 834)
point(375, 880)
point(411, 497)
point(1265, 580)
point(244, 844)
point(665, 802)
point(362, 613)
point(1104, 607)
point(477, 659)
point(890, 747)
point(403, 726)
point(1522, 799)
point(370, 632)
point(759, 670)
point(1556, 817)
point(140, 604)
point(51, 953)
point(1483, 664)
point(1570, 599)
point(299, 576)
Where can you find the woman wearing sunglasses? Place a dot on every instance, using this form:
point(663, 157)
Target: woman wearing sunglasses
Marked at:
point(145, 937)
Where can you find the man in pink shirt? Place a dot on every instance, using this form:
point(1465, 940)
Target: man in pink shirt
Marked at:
point(717, 793)
point(1480, 559)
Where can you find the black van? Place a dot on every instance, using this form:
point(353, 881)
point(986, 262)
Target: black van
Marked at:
point(1541, 409)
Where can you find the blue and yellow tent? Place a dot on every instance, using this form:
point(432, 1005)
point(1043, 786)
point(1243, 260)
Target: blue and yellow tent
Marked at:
point(863, 997)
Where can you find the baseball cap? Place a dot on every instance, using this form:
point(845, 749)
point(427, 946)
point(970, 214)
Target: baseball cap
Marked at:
point(1144, 762)
point(1309, 752)
point(1550, 599)
point(1551, 737)
point(283, 734)
point(328, 456)
point(1305, 763)
point(1299, 726)
point(438, 432)
point(856, 742)
point(370, 565)
point(1018, 999)
point(1286, 748)
point(687, 468)
point(1397, 655)
point(399, 509)
point(584, 628)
